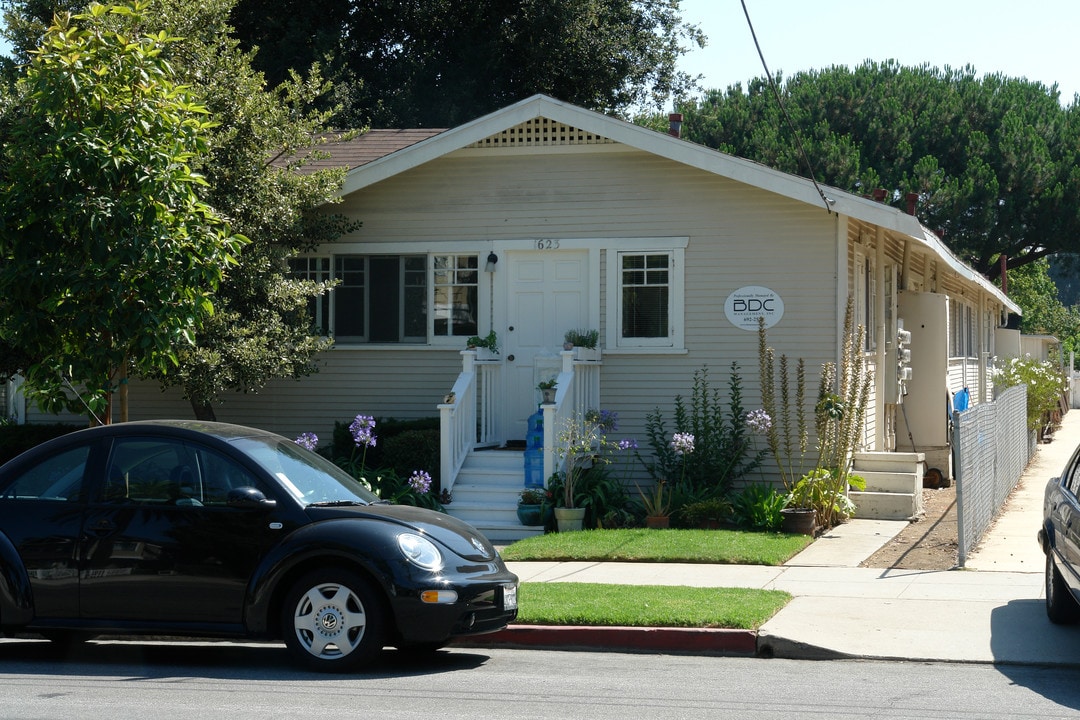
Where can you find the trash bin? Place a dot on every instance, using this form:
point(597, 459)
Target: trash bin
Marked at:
point(534, 451)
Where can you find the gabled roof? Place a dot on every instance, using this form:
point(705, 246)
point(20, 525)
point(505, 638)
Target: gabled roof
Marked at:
point(402, 155)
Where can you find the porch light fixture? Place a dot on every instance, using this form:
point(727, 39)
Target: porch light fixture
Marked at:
point(492, 259)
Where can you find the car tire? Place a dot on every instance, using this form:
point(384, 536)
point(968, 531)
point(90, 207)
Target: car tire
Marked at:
point(1061, 606)
point(333, 621)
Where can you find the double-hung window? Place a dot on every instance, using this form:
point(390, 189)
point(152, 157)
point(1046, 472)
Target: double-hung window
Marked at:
point(394, 298)
point(645, 296)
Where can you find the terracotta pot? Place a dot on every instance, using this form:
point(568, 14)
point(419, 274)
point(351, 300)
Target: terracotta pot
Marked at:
point(657, 522)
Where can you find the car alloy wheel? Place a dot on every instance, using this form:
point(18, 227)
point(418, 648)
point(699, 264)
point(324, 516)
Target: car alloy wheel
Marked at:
point(332, 621)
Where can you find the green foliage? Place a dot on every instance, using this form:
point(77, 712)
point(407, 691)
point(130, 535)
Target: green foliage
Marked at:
point(597, 490)
point(389, 430)
point(839, 421)
point(582, 338)
point(993, 159)
point(722, 449)
point(17, 439)
point(110, 257)
point(256, 144)
point(1044, 386)
point(411, 450)
point(726, 547)
point(489, 341)
point(1032, 288)
point(595, 604)
point(429, 63)
point(758, 507)
point(705, 513)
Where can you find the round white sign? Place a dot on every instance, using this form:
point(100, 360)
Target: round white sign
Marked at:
point(744, 306)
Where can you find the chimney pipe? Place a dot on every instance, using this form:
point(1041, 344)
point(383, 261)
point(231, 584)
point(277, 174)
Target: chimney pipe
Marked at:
point(675, 125)
point(1004, 274)
point(879, 194)
point(912, 199)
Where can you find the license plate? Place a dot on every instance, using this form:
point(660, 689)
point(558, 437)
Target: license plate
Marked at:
point(510, 597)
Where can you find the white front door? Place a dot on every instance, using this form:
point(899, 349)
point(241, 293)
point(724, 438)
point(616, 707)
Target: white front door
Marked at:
point(547, 294)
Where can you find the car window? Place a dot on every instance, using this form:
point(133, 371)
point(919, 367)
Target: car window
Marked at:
point(308, 477)
point(217, 475)
point(1071, 481)
point(150, 471)
point(59, 477)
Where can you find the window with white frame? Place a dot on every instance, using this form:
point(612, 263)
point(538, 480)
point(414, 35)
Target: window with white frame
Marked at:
point(394, 298)
point(316, 269)
point(962, 332)
point(645, 297)
point(456, 283)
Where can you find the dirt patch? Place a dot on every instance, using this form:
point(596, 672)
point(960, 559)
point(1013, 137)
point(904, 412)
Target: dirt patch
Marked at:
point(929, 543)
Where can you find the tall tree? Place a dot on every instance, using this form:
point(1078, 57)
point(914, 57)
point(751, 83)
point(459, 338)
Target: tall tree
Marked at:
point(108, 257)
point(993, 159)
point(261, 328)
point(437, 63)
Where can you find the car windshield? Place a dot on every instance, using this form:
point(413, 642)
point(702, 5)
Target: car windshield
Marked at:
point(309, 477)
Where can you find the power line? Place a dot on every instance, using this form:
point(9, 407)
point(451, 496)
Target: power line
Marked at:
point(776, 93)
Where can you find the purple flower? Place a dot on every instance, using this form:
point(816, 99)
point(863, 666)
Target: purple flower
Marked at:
point(307, 440)
point(420, 482)
point(682, 443)
point(605, 421)
point(362, 429)
point(759, 421)
point(628, 444)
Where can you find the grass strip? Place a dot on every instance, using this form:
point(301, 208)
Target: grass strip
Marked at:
point(647, 605)
point(724, 547)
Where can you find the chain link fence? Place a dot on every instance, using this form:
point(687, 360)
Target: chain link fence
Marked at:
point(991, 448)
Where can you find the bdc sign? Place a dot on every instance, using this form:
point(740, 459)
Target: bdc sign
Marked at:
point(744, 306)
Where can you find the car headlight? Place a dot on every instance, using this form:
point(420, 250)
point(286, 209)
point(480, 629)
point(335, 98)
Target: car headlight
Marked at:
point(420, 551)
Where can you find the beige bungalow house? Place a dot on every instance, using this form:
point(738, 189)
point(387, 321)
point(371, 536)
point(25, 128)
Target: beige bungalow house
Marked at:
point(544, 217)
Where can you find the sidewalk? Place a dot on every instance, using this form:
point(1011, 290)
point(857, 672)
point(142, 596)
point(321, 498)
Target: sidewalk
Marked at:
point(992, 611)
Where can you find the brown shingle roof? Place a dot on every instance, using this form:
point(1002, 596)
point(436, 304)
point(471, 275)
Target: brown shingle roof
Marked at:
point(365, 148)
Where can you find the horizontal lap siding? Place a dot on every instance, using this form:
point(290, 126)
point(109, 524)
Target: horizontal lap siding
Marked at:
point(738, 236)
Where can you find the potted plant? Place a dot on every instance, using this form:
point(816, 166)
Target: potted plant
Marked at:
point(657, 505)
point(547, 390)
point(530, 506)
point(489, 342)
point(800, 511)
point(584, 342)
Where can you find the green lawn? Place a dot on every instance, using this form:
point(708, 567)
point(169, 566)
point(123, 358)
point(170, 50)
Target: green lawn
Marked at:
point(725, 547)
point(647, 605)
point(653, 605)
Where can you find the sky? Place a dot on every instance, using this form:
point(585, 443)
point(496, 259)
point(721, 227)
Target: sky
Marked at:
point(1034, 39)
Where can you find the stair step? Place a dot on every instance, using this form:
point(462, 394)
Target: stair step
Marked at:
point(886, 505)
point(897, 482)
point(889, 462)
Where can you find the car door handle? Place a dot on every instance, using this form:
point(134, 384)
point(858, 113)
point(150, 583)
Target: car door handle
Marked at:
point(102, 527)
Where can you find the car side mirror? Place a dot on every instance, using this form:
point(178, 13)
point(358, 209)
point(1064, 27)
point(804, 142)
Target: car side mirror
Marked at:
point(249, 498)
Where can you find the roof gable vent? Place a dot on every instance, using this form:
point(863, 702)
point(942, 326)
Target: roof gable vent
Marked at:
point(541, 132)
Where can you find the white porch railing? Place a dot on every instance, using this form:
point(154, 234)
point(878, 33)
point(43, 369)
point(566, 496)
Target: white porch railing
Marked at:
point(470, 415)
point(578, 391)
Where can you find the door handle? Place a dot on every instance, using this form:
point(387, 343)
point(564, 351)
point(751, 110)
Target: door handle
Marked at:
point(102, 527)
point(509, 358)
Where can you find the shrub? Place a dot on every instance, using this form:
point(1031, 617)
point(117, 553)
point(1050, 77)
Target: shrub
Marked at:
point(758, 507)
point(721, 442)
point(1044, 386)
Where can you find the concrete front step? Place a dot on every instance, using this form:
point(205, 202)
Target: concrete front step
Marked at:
point(886, 505)
point(486, 494)
point(905, 462)
point(897, 482)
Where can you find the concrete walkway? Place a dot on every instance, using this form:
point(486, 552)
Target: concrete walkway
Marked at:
point(992, 611)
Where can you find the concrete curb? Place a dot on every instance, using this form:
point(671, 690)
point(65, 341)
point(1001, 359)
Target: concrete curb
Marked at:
point(695, 641)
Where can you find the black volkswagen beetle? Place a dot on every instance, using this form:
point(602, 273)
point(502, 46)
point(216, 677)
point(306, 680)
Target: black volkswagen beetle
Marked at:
point(209, 529)
point(1059, 537)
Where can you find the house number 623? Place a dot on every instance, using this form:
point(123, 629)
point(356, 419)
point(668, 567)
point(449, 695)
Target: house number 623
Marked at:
point(547, 244)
